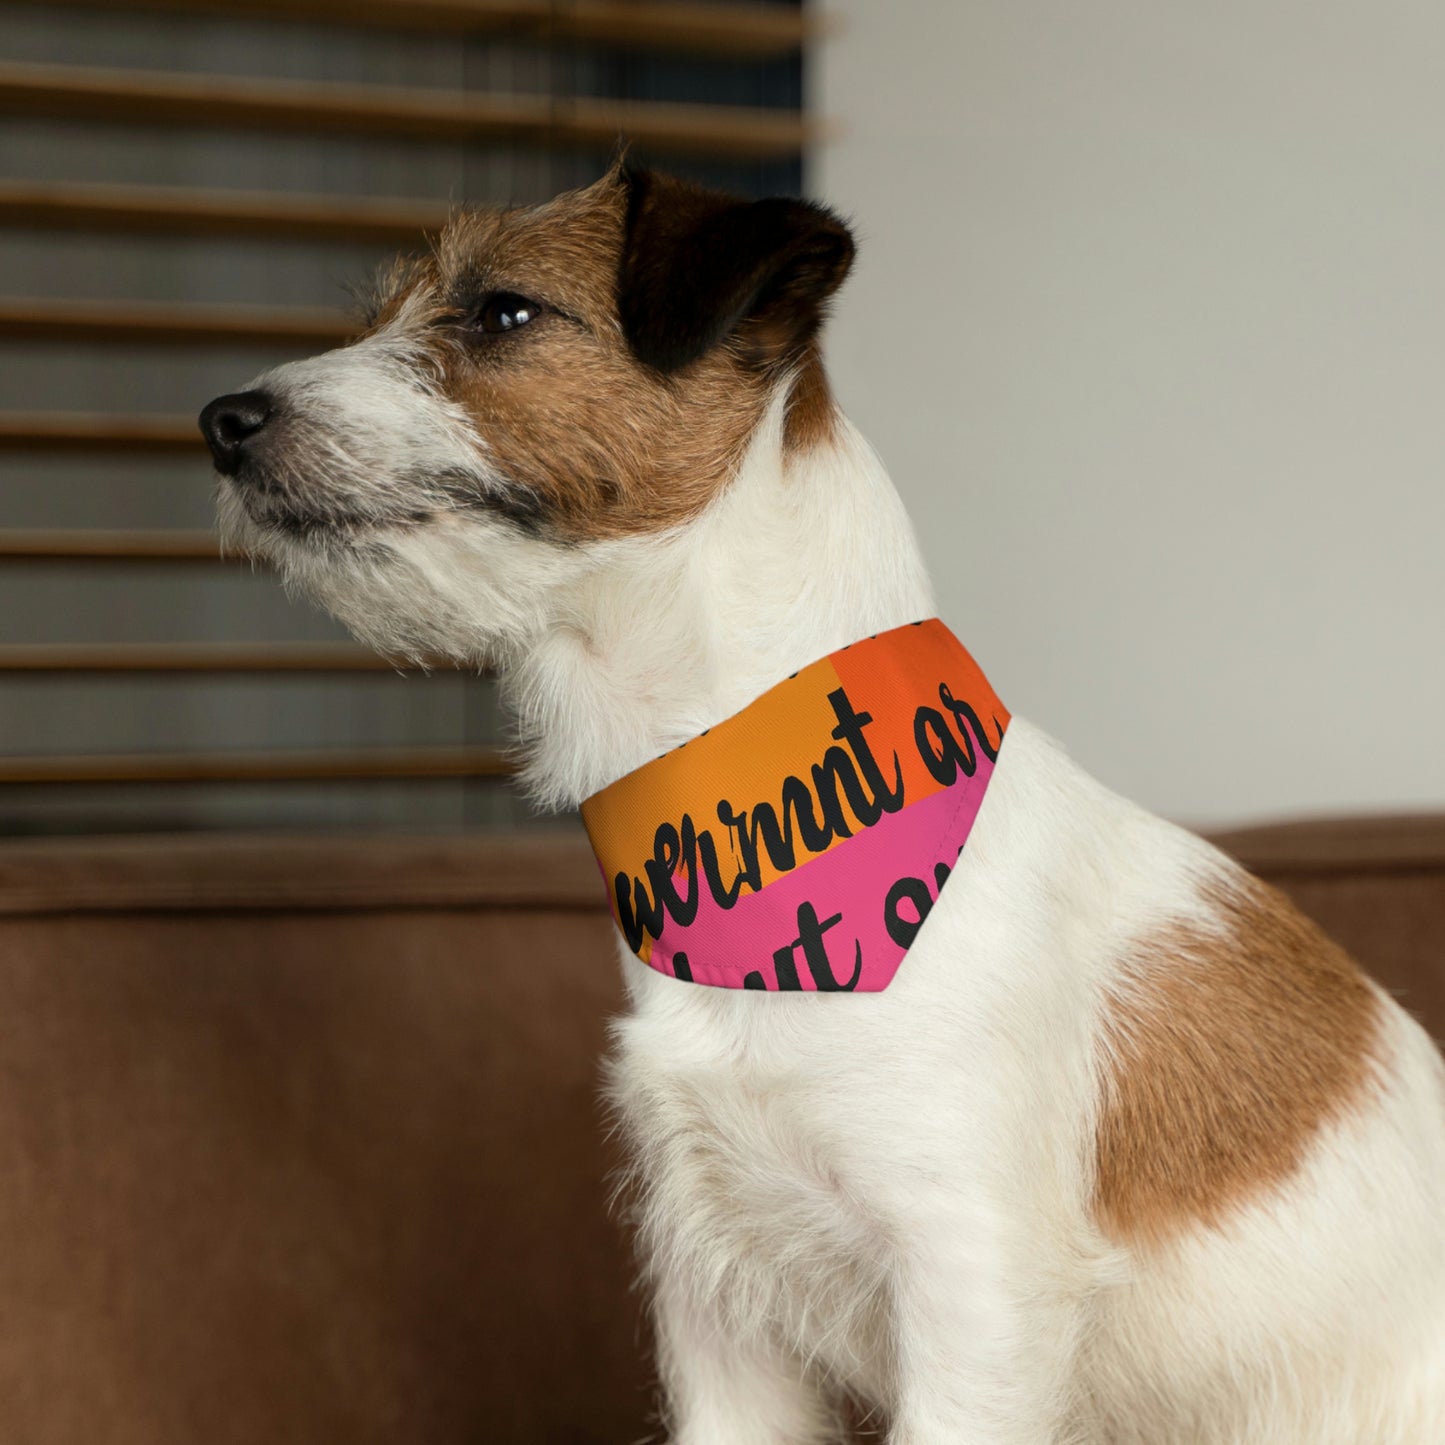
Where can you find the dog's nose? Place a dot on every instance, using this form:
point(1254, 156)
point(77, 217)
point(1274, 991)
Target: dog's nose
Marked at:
point(229, 422)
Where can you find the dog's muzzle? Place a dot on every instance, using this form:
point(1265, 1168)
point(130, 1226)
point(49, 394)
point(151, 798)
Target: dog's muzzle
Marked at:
point(231, 424)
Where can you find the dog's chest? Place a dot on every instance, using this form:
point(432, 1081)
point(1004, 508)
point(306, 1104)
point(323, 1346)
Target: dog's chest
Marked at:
point(748, 1183)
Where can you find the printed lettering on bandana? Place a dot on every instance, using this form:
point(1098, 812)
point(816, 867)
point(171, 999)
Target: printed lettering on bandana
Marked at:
point(801, 843)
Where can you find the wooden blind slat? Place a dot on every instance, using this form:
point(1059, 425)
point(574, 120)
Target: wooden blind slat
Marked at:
point(168, 323)
point(176, 211)
point(753, 31)
point(181, 657)
point(156, 97)
point(258, 767)
point(94, 431)
point(111, 96)
point(705, 29)
point(107, 546)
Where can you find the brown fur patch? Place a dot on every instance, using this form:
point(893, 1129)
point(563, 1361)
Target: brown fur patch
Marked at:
point(700, 266)
point(595, 442)
point(812, 412)
point(1228, 1053)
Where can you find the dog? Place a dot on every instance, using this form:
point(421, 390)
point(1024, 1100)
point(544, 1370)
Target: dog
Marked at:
point(1126, 1152)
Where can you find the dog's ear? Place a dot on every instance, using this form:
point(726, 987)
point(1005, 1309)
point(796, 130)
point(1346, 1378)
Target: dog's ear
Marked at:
point(699, 267)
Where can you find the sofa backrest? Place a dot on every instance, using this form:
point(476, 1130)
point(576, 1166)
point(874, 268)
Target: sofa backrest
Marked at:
point(300, 1139)
point(300, 1142)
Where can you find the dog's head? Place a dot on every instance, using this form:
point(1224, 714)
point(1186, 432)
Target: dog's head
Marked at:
point(545, 382)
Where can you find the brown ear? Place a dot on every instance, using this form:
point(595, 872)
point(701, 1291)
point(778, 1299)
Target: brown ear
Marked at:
point(699, 266)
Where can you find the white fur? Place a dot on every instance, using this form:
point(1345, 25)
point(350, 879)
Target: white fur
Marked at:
point(890, 1195)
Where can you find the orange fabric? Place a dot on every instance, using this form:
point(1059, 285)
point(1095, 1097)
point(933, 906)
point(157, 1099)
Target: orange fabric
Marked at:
point(865, 769)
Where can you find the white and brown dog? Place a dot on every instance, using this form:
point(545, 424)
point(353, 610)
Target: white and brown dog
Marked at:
point(1128, 1152)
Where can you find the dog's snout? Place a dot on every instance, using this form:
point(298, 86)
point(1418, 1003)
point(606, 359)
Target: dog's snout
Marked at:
point(229, 422)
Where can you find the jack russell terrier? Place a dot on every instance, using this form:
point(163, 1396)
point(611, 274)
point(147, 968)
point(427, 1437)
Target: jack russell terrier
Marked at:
point(1059, 1128)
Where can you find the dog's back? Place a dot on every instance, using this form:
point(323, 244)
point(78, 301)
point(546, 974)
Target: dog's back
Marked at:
point(1123, 1107)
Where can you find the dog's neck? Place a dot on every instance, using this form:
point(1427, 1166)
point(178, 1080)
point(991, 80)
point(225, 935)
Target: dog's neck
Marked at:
point(666, 636)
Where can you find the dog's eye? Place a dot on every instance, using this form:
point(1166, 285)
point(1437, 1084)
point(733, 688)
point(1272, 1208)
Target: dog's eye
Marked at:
point(505, 311)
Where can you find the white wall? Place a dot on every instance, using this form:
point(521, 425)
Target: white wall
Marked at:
point(1149, 324)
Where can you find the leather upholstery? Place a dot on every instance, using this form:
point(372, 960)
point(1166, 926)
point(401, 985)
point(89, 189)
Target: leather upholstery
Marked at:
point(300, 1141)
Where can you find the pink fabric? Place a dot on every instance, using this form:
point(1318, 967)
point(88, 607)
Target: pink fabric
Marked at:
point(799, 845)
point(915, 841)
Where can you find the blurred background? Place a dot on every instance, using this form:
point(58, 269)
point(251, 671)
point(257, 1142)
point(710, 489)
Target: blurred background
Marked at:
point(301, 1008)
point(1146, 323)
point(1149, 324)
point(190, 193)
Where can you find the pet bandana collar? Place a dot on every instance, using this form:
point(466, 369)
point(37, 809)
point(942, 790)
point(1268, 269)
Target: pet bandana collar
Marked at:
point(801, 843)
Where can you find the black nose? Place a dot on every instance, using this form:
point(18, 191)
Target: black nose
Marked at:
point(229, 422)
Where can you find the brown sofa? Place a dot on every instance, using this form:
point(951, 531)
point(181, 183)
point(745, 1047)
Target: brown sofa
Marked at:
point(299, 1140)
